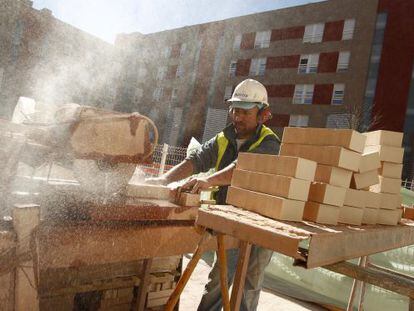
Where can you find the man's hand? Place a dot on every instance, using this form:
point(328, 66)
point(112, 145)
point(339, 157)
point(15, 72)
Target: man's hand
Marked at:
point(157, 181)
point(196, 185)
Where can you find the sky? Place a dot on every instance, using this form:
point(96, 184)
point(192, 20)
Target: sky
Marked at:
point(107, 18)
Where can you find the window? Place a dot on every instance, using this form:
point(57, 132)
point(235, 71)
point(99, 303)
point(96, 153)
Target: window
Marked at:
point(338, 94)
point(299, 120)
point(308, 63)
point(237, 42)
point(349, 27)
point(156, 96)
point(174, 95)
point(183, 49)
point(343, 61)
point(262, 39)
point(228, 92)
point(313, 33)
point(167, 52)
point(257, 66)
point(232, 68)
point(180, 71)
point(162, 71)
point(303, 94)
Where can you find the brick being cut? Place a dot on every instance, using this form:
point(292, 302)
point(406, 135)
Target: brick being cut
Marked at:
point(326, 155)
point(333, 175)
point(277, 165)
point(346, 138)
point(265, 204)
point(277, 185)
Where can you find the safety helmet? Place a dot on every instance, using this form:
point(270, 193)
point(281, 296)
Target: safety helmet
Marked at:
point(249, 93)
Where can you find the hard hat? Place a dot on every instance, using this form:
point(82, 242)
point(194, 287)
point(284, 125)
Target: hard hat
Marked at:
point(248, 94)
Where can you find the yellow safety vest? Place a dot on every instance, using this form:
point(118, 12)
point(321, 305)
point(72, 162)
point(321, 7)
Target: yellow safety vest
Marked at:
point(223, 142)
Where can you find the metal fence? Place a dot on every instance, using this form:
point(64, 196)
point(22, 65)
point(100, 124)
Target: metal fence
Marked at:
point(408, 184)
point(164, 158)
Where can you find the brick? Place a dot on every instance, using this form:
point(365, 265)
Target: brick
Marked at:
point(265, 204)
point(369, 162)
point(373, 199)
point(390, 201)
point(321, 213)
point(350, 215)
point(333, 175)
point(346, 138)
point(189, 199)
point(277, 185)
point(327, 155)
point(387, 153)
point(389, 217)
point(148, 191)
point(327, 194)
point(391, 170)
point(370, 216)
point(364, 180)
point(387, 185)
point(277, 165)
point(408, 213)
point(356, 198)
point(386, 138)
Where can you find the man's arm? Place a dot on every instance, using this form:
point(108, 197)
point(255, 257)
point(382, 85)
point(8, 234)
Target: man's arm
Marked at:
point(178, 172)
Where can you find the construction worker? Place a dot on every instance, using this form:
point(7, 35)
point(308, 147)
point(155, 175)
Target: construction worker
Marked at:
point(249, 108)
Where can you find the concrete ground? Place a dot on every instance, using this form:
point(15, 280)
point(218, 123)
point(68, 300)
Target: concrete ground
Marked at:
point(269, 301)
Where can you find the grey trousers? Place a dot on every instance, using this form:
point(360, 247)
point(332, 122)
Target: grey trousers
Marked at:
point(259, 259)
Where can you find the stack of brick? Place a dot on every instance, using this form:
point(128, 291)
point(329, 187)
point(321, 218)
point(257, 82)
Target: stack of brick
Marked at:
point(273, 186)
point(338, 155)
point(388, 145)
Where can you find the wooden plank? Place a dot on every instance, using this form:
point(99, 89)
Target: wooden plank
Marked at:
point(277, 185)
point(253, 228)
point(403, 285)
point(141, 210)
point(277, 165)
point(346, 138)
point(240, 276)
point(87, 244)
point(267, 205)
point(327, 155)
point(353, 241)
point(143, 284)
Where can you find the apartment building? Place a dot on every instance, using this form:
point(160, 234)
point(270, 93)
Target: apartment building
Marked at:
point(335, 63)
point(46, 59)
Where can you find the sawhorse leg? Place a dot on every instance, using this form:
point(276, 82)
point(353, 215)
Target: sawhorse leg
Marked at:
point(240, 277)
point(172, 301)
point(222, 260)
point(143, 284)
point(362, 263)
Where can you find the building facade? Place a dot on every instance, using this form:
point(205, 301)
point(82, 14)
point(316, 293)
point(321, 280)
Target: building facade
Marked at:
point(346, 64)
point(52, 62)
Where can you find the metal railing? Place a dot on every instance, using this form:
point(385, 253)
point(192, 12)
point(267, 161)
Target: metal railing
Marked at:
point(408, 184)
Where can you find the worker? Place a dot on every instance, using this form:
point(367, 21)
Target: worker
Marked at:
point(248, 110)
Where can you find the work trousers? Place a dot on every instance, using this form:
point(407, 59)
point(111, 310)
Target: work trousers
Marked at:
point(259, 259)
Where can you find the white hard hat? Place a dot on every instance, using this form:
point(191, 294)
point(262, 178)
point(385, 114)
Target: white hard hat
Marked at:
point(249, 93)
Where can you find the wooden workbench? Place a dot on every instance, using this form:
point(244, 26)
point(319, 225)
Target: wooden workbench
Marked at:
point(314, 245)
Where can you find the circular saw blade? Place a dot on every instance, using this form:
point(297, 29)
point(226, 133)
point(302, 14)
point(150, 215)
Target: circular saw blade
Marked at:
point(97, 176)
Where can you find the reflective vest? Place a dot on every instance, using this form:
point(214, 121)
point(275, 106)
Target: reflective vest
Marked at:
point(223, 142)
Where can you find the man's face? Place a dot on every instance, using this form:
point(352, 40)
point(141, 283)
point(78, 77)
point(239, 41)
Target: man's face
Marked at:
point(244, 121)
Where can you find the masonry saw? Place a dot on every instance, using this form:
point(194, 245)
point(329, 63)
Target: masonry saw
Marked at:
point(101, 147)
